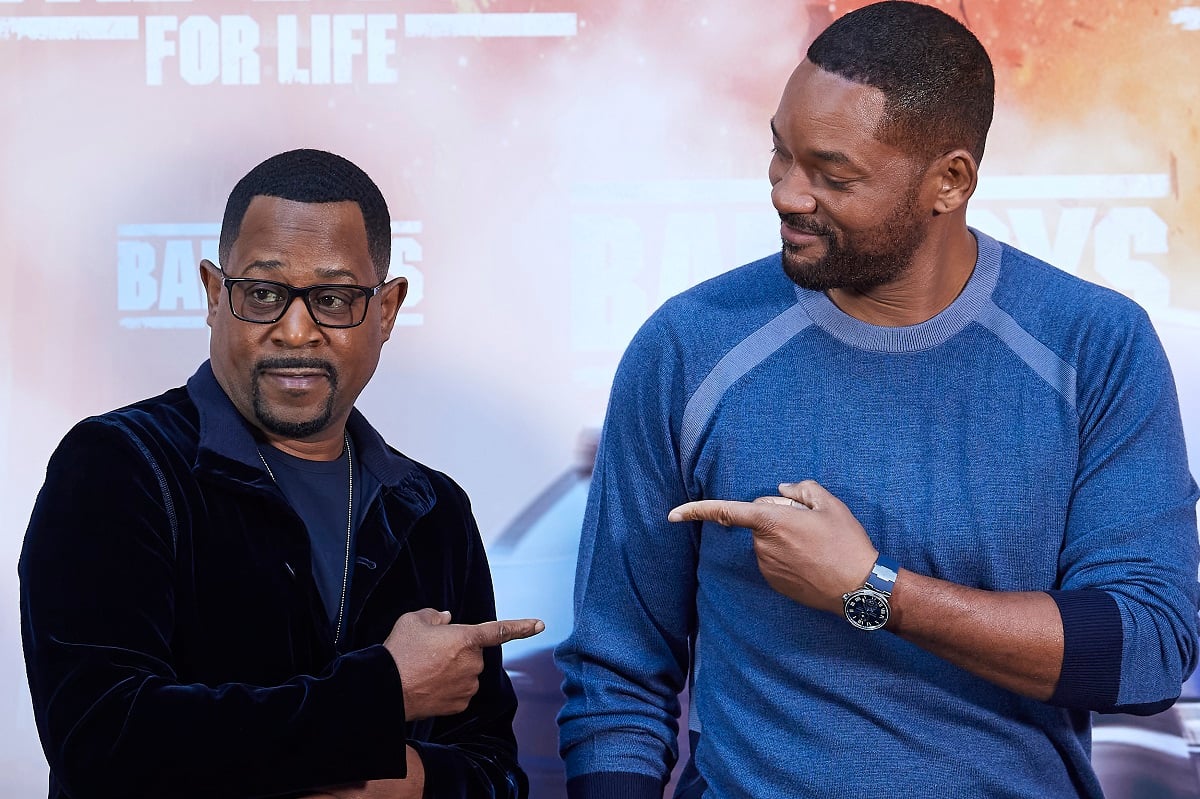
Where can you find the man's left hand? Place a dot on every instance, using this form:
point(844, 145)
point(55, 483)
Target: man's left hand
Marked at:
point(808, 544)
point(812, 549)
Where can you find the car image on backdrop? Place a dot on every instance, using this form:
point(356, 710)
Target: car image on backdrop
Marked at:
point(533, 566)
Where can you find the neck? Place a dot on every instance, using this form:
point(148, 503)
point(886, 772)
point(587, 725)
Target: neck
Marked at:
point(325, 446)
point(939, 271)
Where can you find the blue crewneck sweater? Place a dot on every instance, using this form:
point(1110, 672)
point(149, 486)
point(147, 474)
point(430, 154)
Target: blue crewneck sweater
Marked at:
point(1027, 438)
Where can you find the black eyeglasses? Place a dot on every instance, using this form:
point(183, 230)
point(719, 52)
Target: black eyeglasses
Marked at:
point(264, 302)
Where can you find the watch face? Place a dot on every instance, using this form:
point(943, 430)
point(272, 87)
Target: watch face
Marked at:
point(866, 609)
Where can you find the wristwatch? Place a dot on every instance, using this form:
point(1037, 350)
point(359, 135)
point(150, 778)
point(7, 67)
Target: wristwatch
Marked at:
point(868, 608)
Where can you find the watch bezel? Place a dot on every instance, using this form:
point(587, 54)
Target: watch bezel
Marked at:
point(854, 617)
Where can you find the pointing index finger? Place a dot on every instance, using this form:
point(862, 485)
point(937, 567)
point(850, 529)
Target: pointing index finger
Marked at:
point(495, 633)
point(722, 511)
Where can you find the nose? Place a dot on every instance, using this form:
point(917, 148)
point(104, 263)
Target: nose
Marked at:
point(791, 191)
point(296, 328)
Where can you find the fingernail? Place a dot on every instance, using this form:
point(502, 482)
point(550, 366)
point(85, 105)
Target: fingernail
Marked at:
point(674, 516)
point(786, 485)
point(539, 626)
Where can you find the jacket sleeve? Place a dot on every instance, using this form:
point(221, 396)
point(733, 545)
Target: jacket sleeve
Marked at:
point(98, 605)
point(1128, 567)
point(627, 658)
point(473, 753)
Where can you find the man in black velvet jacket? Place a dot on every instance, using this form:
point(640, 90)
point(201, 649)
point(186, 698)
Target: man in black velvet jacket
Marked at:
point(237, 589)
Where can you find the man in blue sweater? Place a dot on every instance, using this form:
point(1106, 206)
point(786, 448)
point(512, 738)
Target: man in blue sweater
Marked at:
point(903, 503)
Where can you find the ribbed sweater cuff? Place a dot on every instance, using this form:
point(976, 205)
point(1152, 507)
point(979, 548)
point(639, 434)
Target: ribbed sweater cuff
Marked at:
point(614, 785)
point(1092, 641)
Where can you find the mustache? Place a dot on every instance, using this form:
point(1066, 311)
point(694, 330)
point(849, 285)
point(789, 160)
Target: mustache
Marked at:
point(297, 363)
point(805, 224)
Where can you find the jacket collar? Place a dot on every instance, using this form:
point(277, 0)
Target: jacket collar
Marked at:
point(229, 445)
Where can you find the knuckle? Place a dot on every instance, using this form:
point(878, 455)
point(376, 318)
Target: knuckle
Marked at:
point(766, 524)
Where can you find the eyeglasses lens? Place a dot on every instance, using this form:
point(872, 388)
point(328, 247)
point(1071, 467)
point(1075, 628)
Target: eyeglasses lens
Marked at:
point(333, 306)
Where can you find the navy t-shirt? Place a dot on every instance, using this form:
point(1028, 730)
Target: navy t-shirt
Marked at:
point(319, 492)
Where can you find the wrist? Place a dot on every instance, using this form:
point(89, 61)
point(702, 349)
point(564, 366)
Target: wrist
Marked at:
point(869, 607)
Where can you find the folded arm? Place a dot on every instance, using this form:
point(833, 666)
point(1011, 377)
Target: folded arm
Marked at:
point(1062, 646)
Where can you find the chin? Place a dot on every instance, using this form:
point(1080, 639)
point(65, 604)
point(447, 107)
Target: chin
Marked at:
point(809, 274)
point(294, 425)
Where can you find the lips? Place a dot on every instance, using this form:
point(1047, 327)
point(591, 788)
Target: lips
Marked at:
point(295, 381)
point(797, 237)
point(296, 375)
point(299, 372)
point(799, 231)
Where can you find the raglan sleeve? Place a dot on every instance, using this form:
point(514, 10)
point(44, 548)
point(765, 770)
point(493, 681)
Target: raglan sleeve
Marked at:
point(1128, 593)
point(626, 660)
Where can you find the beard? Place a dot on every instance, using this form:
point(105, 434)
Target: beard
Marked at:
point(288, 428)
point(874, 257)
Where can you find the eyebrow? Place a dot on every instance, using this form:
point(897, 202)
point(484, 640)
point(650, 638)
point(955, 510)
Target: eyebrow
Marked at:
point(828, 156)
point(324, 272)
point(268, 265)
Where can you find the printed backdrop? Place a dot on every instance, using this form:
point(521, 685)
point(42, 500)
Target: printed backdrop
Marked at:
point(555, 170)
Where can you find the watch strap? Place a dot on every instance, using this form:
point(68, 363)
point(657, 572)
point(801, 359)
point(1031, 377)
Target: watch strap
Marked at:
point(883, 574)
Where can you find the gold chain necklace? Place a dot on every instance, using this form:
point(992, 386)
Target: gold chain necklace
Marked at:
point(349, 528)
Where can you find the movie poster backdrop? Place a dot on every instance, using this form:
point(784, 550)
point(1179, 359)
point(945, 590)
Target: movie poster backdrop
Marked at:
point(555, 170)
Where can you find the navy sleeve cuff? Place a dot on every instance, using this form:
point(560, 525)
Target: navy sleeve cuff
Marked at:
point(1092, 640)
point(614, 785)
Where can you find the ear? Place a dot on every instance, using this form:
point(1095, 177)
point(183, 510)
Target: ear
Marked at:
point(957, 175)
point(210, 276)
point(391, 297)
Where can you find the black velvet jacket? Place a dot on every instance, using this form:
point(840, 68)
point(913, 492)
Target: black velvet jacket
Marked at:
point(175, 641)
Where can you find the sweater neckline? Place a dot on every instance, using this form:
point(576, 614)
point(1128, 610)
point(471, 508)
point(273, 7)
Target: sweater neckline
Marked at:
point(975, 296)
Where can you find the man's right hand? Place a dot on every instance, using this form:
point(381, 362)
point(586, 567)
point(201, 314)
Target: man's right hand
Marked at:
point(440, 662)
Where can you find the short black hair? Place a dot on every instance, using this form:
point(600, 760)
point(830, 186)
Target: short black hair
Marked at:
point(935, 75)
point(312, 176)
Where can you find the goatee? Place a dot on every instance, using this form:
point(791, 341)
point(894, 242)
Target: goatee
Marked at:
point(288, 428)
point(870, 258)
